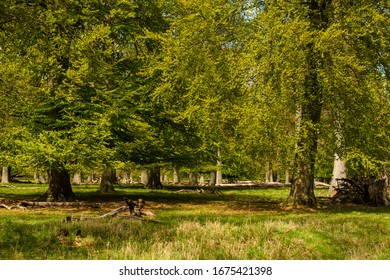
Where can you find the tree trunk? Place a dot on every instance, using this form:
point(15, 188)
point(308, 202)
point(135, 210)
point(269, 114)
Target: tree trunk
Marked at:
point(193, 179)
point(287, 177)
point(302, 187)
point(6, 175)
point(339, 172)
point(144, 177)
point(269, 176)
point(201, 180)
point(377, 193)
point(127, 178)
point(107, 180)
point(60, 188)
point(218, 178)
point(154, 181)
point(36, 177)
point(176, 176)
point(91, 178)
point(212, 178)
point(77, 178)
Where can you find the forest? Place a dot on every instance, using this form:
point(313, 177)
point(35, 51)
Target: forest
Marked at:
point(224, 90)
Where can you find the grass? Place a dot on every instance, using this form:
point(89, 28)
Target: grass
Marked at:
point(244, 223)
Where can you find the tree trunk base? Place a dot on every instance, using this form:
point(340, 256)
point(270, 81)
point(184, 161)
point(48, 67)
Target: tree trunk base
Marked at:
point(107, 181)
point(154, 181)
point(60, 188)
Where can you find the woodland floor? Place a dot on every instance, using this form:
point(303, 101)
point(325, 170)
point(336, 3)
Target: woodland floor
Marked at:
point(244, 222)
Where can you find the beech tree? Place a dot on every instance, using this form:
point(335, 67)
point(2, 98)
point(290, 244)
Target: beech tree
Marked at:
point(319, 53)
point(73, 54)
point(197, 79)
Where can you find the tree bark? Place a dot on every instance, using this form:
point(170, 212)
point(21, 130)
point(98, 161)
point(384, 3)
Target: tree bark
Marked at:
point(176, 176)
point(269, 175)
point(339, 172)
point(193, 179)
point(144, 177)
point(201, 180)
point(377, 193)
point(77, 178)
point(218, 179)
point(287, 177)
point(107, 180)
point(36, 177)
point(60, 188)
point(127, 178)
point(302, 187)
point(154, 181)
point(6, 175)
point(91, 177)
point(213, 177)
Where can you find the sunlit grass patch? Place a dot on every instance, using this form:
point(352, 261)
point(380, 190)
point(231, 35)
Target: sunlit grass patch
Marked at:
point(243, 223)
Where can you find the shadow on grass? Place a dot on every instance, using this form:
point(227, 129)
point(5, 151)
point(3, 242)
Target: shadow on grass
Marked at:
point(235, 198)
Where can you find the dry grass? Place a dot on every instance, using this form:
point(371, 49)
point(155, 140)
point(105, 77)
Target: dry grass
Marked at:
point(239, 225)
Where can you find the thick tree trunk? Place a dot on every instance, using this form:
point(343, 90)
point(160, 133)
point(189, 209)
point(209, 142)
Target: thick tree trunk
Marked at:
point(60, 188)
point(193, 179)
point(269, 175)
point(302, 187)
point(287, 177)
point(91, 177)
point(213, 177)
point(6, 175)
point(377, 193)
point(107, 180)
point(154, 181)
point(144, 177)
point(176, 176)
point(339, 172)
point(36, 177)
point(201, 180)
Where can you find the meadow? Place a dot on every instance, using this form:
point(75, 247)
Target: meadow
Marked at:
point(243, 223)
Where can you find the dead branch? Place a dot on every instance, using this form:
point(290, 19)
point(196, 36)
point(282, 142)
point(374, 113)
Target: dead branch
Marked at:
point(8, 207)
point(113, 212)
point(13, 206)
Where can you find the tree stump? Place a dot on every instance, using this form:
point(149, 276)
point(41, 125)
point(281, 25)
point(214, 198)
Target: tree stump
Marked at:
point(372, 192)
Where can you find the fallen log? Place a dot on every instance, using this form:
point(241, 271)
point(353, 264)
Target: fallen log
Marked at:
point(59, 204)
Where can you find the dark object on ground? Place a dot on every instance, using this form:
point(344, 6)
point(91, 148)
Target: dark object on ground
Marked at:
point(372, 192)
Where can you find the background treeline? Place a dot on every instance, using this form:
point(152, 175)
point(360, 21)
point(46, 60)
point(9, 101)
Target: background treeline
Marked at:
point(247, 89)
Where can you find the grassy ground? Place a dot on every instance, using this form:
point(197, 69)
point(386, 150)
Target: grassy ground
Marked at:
point(244, 223)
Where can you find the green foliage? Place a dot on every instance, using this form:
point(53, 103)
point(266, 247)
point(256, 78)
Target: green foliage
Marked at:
point(87, 83)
